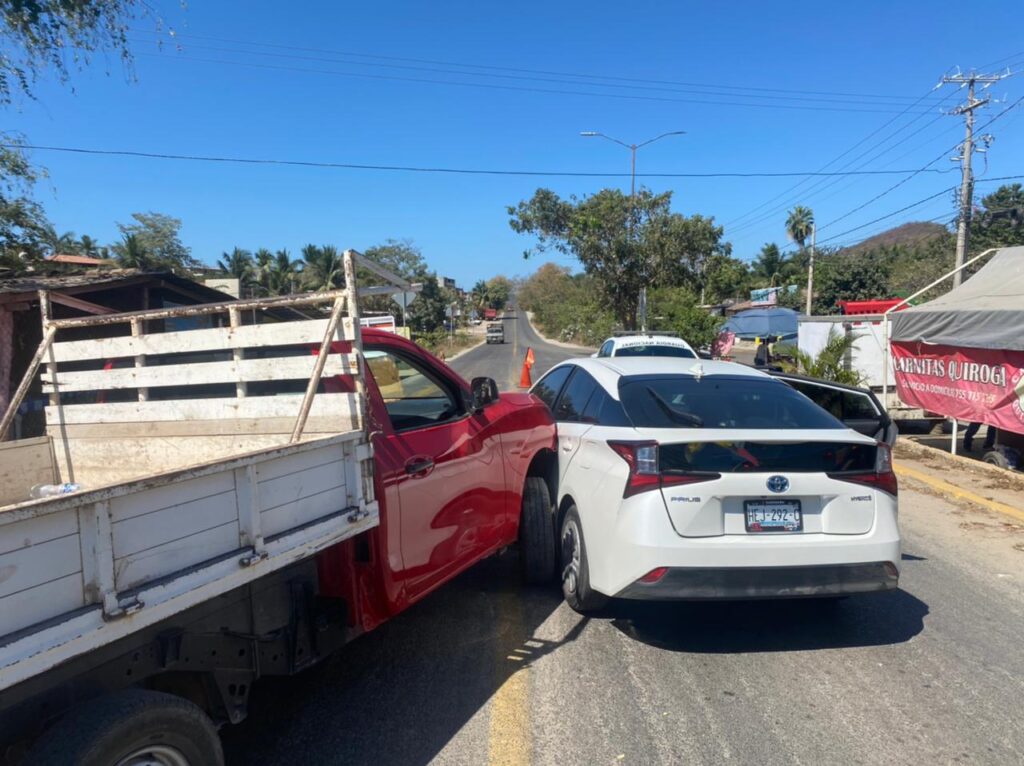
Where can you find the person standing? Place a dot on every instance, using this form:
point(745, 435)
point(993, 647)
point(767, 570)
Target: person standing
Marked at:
point(972, 429)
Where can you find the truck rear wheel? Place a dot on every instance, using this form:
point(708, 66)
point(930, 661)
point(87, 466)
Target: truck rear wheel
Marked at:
point(131, 728)
point(537, 533)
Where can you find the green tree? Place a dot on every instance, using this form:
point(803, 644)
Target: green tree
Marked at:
point(725, 277)
point(132, 254)
point(23, 224)
point(400, 257)
point(623, 243)
point(282, 274)
point(238, 264)
point(799, 223)
point(845, 277)
point(323, 268)
point(428, 312)
point(478, 296)
point(678, 310)
point(499, 290)
point(770, 266)
point(158, 236)
point(66, 243)
point(91, 248)
point(403, 259)
point(1000, 222)
point(48, 35)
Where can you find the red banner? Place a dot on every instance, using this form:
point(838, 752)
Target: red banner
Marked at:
point(974, 384)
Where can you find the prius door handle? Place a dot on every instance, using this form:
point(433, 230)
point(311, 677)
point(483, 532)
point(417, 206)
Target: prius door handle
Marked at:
point(418, 466)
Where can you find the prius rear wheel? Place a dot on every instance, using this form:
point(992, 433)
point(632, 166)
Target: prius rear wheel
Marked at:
point(575, 567)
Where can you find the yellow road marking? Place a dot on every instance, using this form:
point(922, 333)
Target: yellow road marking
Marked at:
point(951, 489)
point(509, 740)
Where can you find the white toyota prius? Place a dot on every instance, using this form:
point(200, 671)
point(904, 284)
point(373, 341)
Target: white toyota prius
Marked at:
point(695, 479)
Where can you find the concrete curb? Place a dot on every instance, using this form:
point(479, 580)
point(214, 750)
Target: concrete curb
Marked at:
point(934, 452)
point(944, 487)
point(546, 339)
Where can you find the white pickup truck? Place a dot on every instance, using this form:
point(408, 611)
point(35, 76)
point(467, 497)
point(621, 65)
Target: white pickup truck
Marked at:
point(228, 524)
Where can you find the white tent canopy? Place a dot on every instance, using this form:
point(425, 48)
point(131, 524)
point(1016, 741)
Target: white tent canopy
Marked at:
point(986, 311)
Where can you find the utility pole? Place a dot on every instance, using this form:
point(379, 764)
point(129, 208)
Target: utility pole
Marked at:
point(642, 298)
point(810, 268)
point(963, 226)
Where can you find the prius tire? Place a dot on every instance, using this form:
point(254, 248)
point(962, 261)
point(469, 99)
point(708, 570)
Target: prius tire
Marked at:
point(575, 568)
point(131, 727)
point(537, 533)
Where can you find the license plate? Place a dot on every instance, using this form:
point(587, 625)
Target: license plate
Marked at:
point(773, 516)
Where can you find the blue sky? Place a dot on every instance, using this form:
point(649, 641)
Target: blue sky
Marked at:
point(348, 83)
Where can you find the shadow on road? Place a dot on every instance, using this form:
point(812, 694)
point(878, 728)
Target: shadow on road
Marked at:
point(772, 626)
point(398, 695)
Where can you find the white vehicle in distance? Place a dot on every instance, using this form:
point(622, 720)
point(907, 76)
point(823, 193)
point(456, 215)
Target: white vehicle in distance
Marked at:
point(696, 479)
point(646, 344)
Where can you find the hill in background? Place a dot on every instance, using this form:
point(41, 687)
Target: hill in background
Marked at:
point(913, 233)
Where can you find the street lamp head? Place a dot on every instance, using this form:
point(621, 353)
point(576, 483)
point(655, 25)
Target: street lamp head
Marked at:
point(589, 133)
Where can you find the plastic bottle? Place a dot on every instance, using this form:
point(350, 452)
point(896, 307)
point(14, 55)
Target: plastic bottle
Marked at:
point(52, 490)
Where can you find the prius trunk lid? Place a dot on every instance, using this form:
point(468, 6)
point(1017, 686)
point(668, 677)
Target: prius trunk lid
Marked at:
point(740, 484)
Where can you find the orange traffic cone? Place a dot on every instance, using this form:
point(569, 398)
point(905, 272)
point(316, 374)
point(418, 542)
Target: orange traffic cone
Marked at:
point(524, 377)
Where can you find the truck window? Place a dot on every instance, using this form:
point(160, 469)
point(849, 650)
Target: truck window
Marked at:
point(412, 395)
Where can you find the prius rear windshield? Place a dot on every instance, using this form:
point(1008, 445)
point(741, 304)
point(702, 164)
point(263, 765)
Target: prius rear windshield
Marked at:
point(655, 350)
point(718, 401)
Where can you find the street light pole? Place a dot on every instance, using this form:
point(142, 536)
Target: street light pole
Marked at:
point(642, 298)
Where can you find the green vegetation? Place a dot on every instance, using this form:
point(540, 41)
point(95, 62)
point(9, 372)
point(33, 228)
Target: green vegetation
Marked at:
point(829, 364)
point(624, 243)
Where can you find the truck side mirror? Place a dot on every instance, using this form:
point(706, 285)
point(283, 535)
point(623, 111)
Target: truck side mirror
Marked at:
point(484, 393)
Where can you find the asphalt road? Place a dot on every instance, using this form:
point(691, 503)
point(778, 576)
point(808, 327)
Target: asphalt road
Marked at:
point(486, 671)
point(504, 361)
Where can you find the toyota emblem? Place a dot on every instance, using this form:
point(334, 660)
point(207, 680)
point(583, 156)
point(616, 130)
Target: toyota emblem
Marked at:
point(778, 483)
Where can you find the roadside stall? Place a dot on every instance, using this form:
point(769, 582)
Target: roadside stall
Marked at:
point(962, 354)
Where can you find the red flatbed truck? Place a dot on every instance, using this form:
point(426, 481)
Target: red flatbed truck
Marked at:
point(227, 538)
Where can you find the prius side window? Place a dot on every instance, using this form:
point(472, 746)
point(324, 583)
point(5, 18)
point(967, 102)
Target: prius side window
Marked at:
point(602, 410)
point(575, 397)
point(547, 388)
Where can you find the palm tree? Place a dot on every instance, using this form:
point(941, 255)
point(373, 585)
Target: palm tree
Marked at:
point(65, 243)
point(262, 258)
point(281, 273)
point(237, 263)
point(478, 295)
point(770, 263)
point(90, 247)
point(799, 224)
point(829, 364)
point(323, 269)
point(131, 253)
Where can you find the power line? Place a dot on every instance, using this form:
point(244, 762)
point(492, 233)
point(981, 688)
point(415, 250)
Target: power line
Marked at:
point(513, 88)
point(919, 170)
point(796, 186)
point(523, 70)
point(420, 169)
point(706, 90)
point(904, 209)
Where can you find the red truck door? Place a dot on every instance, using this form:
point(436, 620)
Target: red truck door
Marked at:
point(440, 466)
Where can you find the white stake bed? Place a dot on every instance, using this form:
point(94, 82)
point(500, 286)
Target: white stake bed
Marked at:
point(188, 492)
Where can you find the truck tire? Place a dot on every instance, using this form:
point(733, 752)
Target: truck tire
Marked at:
point(537, 533)
point(575, 567)
point(996, 457)
point(130, 727)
